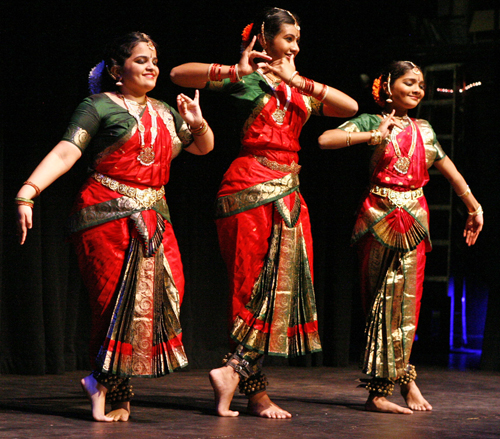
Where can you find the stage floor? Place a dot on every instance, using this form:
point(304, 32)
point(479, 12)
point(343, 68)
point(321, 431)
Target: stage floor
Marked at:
point(325, 403)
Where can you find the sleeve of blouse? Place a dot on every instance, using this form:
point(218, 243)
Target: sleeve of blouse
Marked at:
point(433, 149)
point(83, 125)
point(363, 122)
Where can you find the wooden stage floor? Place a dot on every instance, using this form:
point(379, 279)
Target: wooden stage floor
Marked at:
point(325, 403)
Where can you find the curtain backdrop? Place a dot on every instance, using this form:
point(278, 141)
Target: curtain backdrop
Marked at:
point(44, 314)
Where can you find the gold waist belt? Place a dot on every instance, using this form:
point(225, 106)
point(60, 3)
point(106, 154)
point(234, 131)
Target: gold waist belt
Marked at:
point(294, 168)
point(143, 197)
point(396, 197)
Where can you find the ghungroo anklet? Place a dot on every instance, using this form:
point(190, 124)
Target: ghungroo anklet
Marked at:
point(239, 364)
point(118, 388)
point(409, 376)
point(121, 393)
point(380, 386)
point(255, 384)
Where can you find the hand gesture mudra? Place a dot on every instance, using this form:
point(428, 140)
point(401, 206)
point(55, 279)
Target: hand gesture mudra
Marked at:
point(388, 123)
point(189, 109)
point(247, 62)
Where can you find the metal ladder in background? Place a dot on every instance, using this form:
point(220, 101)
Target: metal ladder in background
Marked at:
point(443, 108)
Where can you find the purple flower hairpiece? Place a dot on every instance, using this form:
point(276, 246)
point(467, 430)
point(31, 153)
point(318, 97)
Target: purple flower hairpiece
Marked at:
point(95, 77)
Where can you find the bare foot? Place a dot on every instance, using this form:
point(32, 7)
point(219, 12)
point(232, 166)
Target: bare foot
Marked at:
point(97, 394)
point(382, 404)
point(224, 381)
point(413, 397)
point(120, 411)
point(261, 405)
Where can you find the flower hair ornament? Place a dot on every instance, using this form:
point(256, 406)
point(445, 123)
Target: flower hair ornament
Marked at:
point(245, 36)
point(95, 77)
point(377, 85)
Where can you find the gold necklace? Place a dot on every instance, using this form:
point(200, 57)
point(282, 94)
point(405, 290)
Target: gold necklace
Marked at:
point(147, 155)
point(403, 163)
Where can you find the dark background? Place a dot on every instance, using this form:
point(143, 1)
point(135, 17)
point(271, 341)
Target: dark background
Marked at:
point(48, 49)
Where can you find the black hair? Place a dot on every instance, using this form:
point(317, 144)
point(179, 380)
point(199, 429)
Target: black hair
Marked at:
point(396, 69)
point(272, 19)
point(117, 52)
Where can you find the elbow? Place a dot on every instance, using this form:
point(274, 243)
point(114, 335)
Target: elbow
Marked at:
point(174, 75)
point(323, 141)
point(352, 108)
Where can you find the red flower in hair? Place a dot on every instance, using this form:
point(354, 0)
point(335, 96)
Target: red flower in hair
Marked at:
point(246, 32)
point(377, 85)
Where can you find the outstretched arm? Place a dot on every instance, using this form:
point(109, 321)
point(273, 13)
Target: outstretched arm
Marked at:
point(56, 163)
point(196, 75)
point(475, 220)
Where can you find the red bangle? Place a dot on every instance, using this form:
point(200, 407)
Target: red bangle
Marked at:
point(212, 74)
point(232, 73)
point(308, 86)
point(324, 92)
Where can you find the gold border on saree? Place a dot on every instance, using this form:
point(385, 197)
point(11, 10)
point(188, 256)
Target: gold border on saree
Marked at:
point(397, 198)
point(294, 168)
point(143, 197)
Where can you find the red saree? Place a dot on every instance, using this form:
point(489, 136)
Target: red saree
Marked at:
point(129, 257)
point(392, 233)
point(265, 235)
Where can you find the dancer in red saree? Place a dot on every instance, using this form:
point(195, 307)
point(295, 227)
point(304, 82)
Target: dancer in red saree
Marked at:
point(262, 219)
point(392, 228)
point(120, 224)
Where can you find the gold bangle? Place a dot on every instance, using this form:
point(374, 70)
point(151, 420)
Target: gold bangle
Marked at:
point(201, 130)
point(291, 77)
point(348, 139)
point(376, 138)
point(478, 211)
point(467, 192)
point(34, 186)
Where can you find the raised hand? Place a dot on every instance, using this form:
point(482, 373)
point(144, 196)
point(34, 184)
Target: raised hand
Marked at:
point(247, 62)
point(189, 109)
point(388, 123)
point(283, 67)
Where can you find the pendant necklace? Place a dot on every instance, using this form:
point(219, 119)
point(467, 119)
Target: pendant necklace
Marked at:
point(280, 113)
point(147, 155)
point(403, 163)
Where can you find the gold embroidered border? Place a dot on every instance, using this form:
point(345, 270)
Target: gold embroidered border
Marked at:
point(80, 137)
point(257, 195)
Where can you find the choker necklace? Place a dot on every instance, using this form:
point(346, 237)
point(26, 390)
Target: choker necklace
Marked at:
point(280, 113)
point(147, 155)
point(403, 163)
